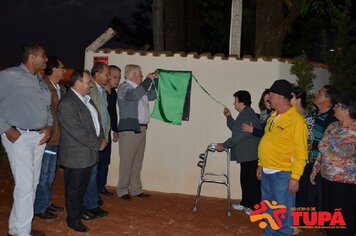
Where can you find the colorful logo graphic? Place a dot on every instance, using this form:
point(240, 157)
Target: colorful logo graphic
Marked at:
point(261, 213)
point(303, 217)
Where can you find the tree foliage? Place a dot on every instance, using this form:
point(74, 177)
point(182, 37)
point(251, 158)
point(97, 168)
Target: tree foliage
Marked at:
point(304, 71)
point(214, 26)
point(276, 19)
point(142, 21)
point(281, 28)
point(138, 32)
point(341, 60)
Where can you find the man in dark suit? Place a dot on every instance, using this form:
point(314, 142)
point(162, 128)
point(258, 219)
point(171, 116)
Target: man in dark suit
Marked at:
point(81, 139)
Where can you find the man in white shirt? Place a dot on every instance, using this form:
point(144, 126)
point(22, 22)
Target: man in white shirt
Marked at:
point(81, 139)
point(133, 97)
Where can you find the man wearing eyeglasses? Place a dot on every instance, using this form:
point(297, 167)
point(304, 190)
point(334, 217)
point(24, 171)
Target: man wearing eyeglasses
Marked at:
point(282, 154)
point(44, 208)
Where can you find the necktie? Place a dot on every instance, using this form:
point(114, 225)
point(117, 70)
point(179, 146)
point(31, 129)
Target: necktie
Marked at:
point(104, 107)
point(86, 99)
point(58, 89)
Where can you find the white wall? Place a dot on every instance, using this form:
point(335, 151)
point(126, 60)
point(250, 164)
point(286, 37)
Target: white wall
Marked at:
point(172, 151)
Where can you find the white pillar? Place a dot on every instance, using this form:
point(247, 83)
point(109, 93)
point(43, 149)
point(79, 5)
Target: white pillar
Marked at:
point(235, 27)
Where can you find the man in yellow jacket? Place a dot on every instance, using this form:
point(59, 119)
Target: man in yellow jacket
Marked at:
point(282, 154)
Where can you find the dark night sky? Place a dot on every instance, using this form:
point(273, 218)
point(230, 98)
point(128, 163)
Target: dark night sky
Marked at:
point(64, 27)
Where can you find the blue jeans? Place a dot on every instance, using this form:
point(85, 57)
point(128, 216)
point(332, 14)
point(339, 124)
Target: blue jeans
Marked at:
point(91, 197)
point(274, 187)
point(48, 172)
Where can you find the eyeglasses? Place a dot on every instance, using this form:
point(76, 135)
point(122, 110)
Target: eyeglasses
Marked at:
point(342, 106)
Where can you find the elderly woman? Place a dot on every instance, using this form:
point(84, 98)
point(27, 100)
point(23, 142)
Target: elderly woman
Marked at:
point(299, 100)
point(337, 165)
point(244, 150)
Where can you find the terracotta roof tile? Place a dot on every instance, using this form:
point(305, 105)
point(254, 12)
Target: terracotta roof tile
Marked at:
point(207, 55)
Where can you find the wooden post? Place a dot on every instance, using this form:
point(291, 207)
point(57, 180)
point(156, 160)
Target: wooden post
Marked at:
point(158, 38)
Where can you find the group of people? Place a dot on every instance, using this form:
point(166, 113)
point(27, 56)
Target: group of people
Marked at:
point(286, 154)
point(38, 124)
point(294, 158)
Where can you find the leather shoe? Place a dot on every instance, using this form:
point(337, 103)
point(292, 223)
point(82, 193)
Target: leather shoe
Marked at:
point(143, 195)
point(33, 233)
point(126, 197)
point(46, 215)
point(80, 227)
point(100, 202)
point(88, 215)
point(37, 233)
point(55, 208)
point(106, 192)
point(98, 212)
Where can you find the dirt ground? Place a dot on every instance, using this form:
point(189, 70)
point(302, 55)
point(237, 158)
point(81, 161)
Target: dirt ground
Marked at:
point(160, 214)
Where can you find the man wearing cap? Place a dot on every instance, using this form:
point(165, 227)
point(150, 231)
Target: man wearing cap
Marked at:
point(282, 154)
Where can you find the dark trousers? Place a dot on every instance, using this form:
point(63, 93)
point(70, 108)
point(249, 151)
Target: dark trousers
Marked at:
point(91, 196)
point(103, 166)
point(250, 185)
point(340, 195)
point(309, 195)
point(76, 182)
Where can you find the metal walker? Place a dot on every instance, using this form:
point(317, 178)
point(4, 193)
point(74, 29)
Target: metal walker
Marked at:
point(205, 176)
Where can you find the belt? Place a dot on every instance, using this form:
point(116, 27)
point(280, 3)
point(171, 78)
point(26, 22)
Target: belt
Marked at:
point(143, 125)
point(32, 130)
